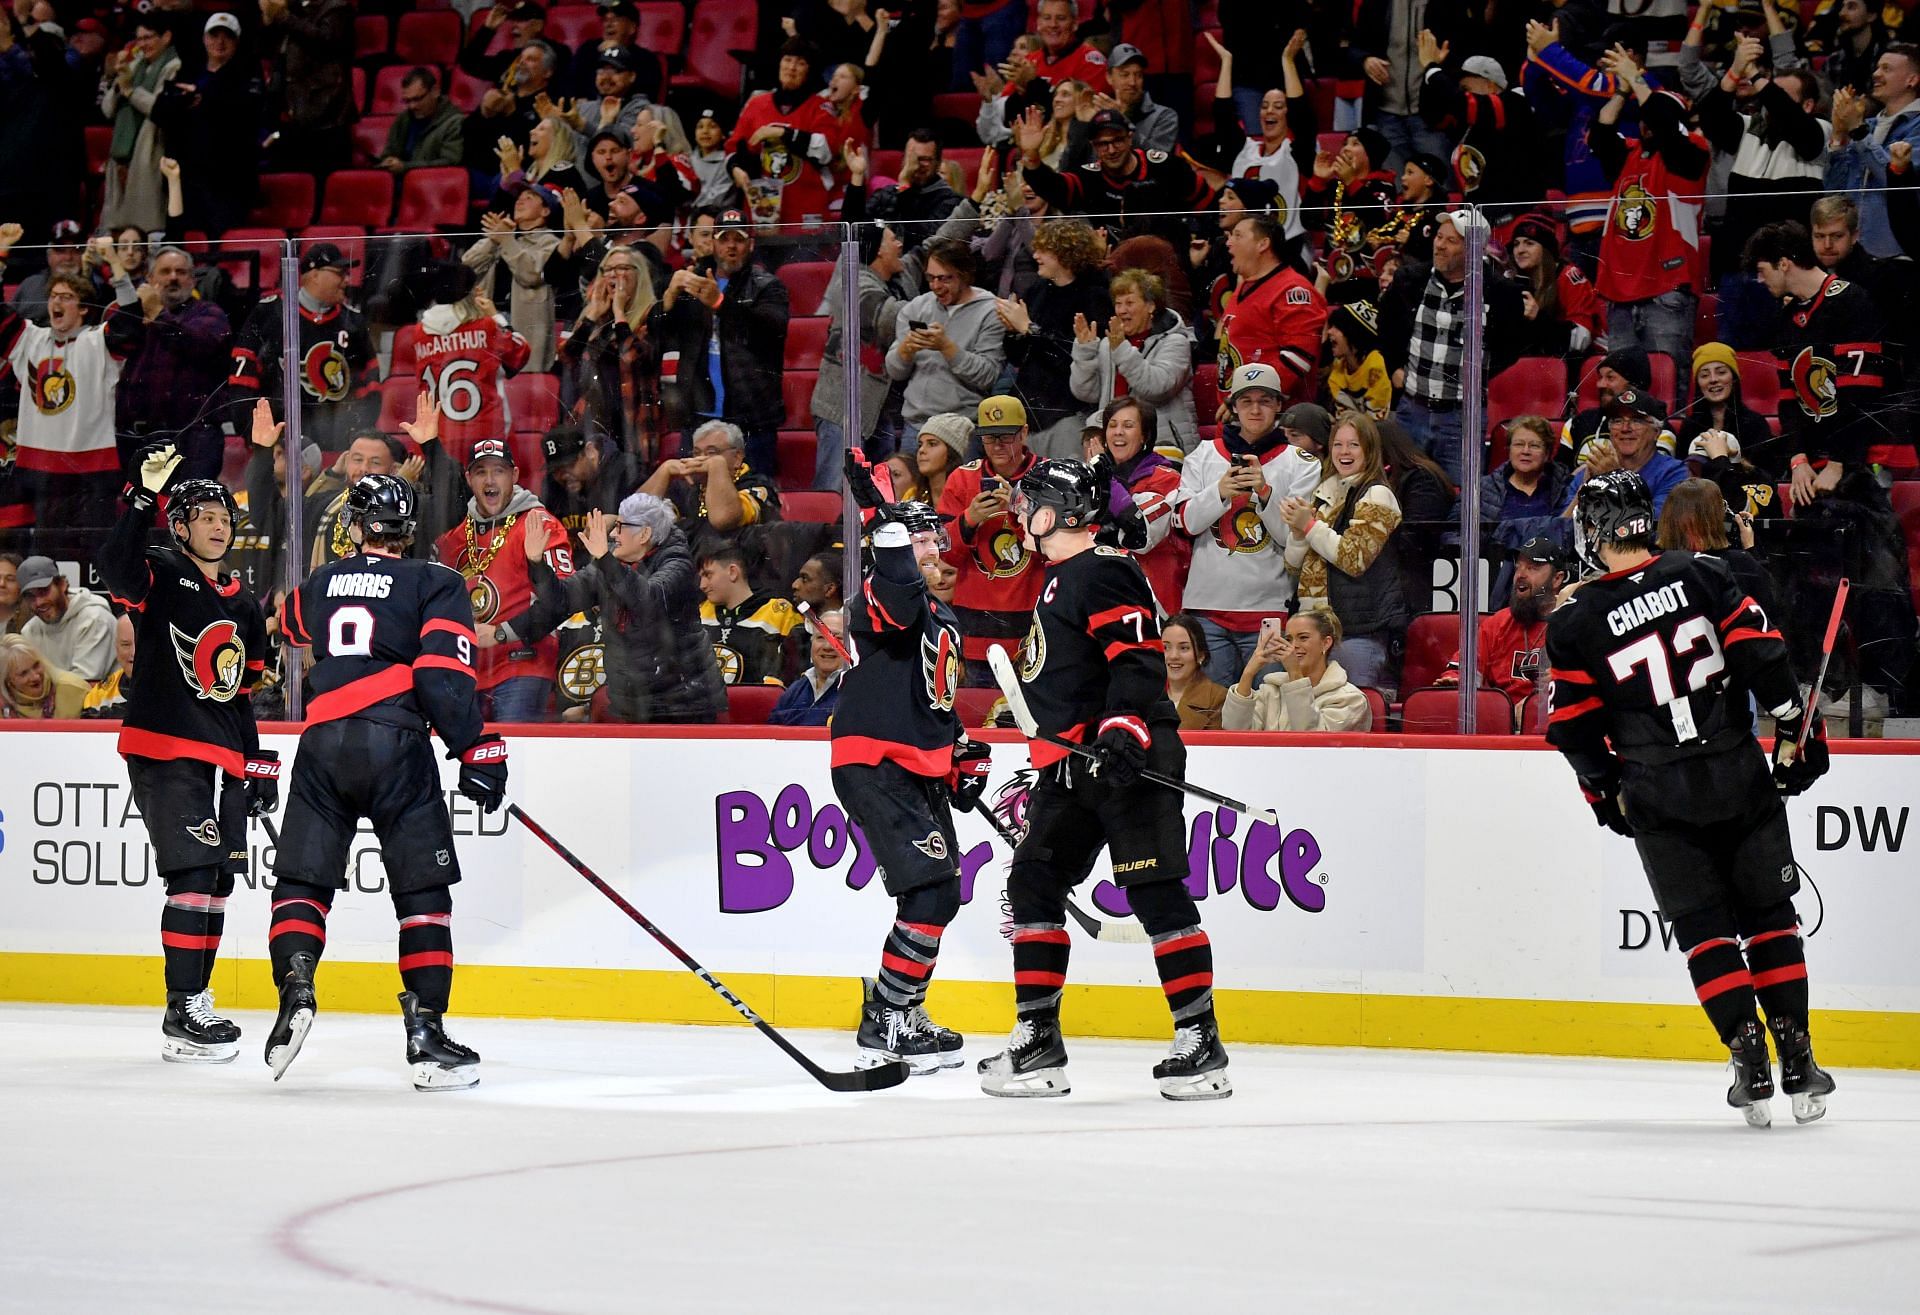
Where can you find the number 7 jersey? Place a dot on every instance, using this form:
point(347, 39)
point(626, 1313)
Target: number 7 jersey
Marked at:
point(1657, 659)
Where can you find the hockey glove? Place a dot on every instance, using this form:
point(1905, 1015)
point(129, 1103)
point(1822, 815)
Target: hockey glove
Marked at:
point(1126, 528)
point(483, 772)
point(968, 779)
point(263, 783)
point(1604, 798)
point(860, 483)
point(1797, 766)
point(1122, 748)
point(157, 465)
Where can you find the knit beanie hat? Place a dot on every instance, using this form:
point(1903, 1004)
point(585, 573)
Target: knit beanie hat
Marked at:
point(1538, 228)
point(1711, 352)
point(1360, 322)
point(1375, 144)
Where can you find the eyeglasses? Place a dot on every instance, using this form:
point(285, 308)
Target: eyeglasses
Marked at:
point(943, 279)
point(411, 101)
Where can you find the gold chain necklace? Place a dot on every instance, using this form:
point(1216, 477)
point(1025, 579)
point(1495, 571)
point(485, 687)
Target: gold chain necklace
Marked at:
point(476, 564)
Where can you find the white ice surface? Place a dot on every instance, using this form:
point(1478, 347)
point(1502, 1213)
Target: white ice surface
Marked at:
point(606, 1168)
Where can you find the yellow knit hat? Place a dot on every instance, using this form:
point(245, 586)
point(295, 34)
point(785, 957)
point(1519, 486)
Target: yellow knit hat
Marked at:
point(1709, 353)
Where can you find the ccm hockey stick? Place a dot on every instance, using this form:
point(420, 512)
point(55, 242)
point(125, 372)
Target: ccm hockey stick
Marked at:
point(865, 1079)
point(1826, 656)
point(1009, 682)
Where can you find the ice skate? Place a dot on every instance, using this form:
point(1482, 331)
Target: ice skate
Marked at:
point(1033, 1064)
point(1800, 1076)
point(439, 1062)
point(191, 1033)
point(888, 1034)
point(295, 1019)
point(1752, 1087)
point(1196, 1067)
point(947, 1042)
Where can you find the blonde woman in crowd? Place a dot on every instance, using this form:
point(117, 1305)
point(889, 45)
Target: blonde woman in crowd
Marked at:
point(35, 689)
point(1311, 692)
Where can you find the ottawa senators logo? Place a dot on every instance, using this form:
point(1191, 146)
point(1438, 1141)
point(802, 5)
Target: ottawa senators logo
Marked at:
point(1033, 652)
point(324, 374)
point(485, 597)
point(1470, 166)
point(1813, 385)
point(1241, 530)
point(1634, 213)
point(780, 164)
point(52, 386)
point(1000, 553)
point(940, 669)
point(212, 661)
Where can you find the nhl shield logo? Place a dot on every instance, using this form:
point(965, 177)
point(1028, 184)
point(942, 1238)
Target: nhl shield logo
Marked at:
point(212, 661)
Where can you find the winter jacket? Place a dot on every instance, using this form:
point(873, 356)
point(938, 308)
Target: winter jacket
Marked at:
point(1159, 371)
point(1043, 356)
point(935, 384)
point(1860, 168)
point(441, 143)
point(530, 305)
point(751, 323)
point(1239, 563)
point(135, 192)
point(660, 667)
point(1293, 703)
point(316, 50)
point(166, 385)
point(1349, 559)
point(1518, 516)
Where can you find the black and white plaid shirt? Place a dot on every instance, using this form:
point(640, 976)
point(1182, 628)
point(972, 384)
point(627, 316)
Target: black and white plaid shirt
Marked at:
point(1438, 347)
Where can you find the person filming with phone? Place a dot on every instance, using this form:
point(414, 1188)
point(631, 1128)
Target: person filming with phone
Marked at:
point(1310, 692)
point(999, 576)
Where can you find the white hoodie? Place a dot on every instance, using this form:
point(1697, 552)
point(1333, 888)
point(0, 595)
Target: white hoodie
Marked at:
point(1239, 553)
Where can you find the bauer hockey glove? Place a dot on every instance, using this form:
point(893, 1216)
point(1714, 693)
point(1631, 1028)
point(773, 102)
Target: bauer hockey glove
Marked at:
point(483, 772)
point(157, 465)
point(1797, 766)
point(1121, 744)
point(860, 483)
point(1604, 798)
point(263, 782)
point(972, 762)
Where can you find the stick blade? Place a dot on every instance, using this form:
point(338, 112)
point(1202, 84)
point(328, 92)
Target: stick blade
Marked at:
point(878, 1078)
point(1009, 682)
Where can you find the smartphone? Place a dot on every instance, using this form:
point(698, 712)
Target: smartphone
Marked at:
point(1246, 461)
point(918, 326)
point(1272, 625)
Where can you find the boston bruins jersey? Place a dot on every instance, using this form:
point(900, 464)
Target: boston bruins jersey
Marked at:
point(336, 354)
point(392, 641)
point(897, 704)
point(1093, 650)
point(202, 647)
point(750, 641)
point(1654, 660)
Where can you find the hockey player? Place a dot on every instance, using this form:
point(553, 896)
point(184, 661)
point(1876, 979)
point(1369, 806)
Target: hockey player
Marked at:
point(393, 653)
point(336, 354)
point(1651, 661)
point(1093, 673)
point(900, 762)
point(194, 760)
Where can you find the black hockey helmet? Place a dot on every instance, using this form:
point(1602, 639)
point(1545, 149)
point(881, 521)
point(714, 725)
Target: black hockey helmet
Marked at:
point(1076, 492)
point(383, 506)
point(183, 497)
point(1615, 509)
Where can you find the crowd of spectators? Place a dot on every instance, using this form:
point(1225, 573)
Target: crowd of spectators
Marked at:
point(1228, 247)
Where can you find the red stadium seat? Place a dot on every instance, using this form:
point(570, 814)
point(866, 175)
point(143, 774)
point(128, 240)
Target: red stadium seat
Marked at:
point(750, 705)
point(797, 387)
point(286, 201)
point(968, 158)
point(806, 282)
point(1432, 640)
point(572, 25)
point(386, 96)
point(399, 396)
point(269, 244)
point(885, 164)
point(350, 238)
point(793, 459)
point(358, 196)
point(465, 90)
point(1437, 712)
point(1905, 496)
point(1759, 382)
point(663, 27)
point(720, 27)
point(432, 37)
point(432, 198)
point(1206, 391)
point(357, 80)
point(370, 36)
point(99, 143)
point(810, 507)
point(534, 401)
point(806, 340)
point(403, 340)
point(973, 706)
point(370, 137)
point(1532, 385)
point(1377, 705)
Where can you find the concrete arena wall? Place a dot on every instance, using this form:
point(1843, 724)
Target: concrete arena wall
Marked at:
point(1426, 892)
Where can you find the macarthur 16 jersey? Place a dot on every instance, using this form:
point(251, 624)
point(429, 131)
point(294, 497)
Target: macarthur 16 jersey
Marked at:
point(1093, 650)
point(1657, 659)
point(392, 640)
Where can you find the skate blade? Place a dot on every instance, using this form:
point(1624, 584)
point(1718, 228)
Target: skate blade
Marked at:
point(428, 1076)
point(1758, 1115)
point(950, 1059)
point(1201, 1086)
point(176, 1051)
point(917, 1065)
point(1041, 1082)
point(1808, 1106)
point(280, 1058)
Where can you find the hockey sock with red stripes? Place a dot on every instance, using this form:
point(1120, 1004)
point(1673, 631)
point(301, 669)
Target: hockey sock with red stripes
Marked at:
point(299, 924)
point(1777, 958)
point(426, 945)
point(1182, 951)
point(1724, 985)
point(191, 923)
point(913, 943)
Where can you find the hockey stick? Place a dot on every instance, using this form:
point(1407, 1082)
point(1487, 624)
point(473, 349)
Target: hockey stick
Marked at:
point(1126, 932)
point(816, 626)
point(890, 1074)
point(1826, 656)
point(1009, 682)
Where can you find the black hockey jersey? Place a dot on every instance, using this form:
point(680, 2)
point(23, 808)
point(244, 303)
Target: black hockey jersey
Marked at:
point(1833, 374)
point(1154, 196)
point(1093, 650)
point(1645, 658)
point(202, 648)
point(750, 641)
point(392, 641)
point(897, 704)
point(336, 356)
